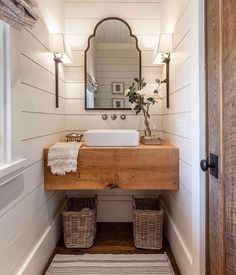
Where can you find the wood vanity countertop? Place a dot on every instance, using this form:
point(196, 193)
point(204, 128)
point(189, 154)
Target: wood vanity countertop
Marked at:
point(153, 167)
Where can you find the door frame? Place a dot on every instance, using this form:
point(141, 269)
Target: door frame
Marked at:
point(198, 140)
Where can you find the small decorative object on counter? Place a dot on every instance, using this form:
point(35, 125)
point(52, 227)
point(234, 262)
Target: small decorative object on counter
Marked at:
point(148, 223)
point(142, 98)
point(154, 139)
point(79, 222)
point(73, 137)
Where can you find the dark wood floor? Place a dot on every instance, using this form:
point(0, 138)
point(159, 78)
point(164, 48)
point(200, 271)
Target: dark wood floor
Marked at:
point(114, 238)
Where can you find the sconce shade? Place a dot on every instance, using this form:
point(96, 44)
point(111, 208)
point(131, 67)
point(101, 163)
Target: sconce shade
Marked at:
point(60, 47)
point(164, 46)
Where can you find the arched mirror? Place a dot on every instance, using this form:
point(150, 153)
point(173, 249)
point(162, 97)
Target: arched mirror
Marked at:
point(112, 61)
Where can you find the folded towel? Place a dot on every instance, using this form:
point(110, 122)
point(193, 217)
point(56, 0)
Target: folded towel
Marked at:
point(62, 157)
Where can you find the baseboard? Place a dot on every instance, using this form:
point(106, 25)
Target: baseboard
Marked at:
point(182, 255)
point(43, 249)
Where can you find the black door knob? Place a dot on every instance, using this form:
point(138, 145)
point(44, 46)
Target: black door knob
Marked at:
point(212, 163)
point(204, 165)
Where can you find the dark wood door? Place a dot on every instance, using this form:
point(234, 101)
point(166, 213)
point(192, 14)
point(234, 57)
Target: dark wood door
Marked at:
point(221, 118)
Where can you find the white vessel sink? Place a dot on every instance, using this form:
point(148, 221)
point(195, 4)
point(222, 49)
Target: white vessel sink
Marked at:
point(111, 138)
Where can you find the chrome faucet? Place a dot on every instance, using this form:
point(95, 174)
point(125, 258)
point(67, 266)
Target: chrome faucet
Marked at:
point(113, 116)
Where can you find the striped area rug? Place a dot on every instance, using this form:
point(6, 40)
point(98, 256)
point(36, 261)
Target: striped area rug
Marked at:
point(104, 264)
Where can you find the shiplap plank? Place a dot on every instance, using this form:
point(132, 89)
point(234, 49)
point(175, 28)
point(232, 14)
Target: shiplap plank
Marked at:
point(74, 73)
point(78, 59)
point(138, 26)
point(182, 78)
point(36, 51)
point(11, 222)
point(40, 32)
point(36, 100)
point(103, 10)
point(181, 215)
point(78, 42)
point(182, 27)
point(35, 75)
point(37, 124)
point(147, 58)
point(75, 90)
point(43, 245)
point(177, 129)
point(181, 52)
point(116, 212)
point(87, 121)
point(179, 124)
point(185, 174)
point(36, 155)
point(182, 143)
point(178, 102)
point(27, 236)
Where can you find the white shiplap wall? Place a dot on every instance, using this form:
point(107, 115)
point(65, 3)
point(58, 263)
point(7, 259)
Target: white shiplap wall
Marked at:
point(29, 220)
point(181, 129)
point(80, 20)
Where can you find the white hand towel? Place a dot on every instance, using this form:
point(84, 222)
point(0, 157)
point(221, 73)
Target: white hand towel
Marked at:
point(62, 157)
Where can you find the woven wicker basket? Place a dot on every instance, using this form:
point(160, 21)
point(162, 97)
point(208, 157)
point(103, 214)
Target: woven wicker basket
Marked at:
point(79, 222)
point(148, 223)
point(73, 137)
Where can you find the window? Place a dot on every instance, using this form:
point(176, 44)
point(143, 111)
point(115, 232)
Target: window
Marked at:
point(5, 103)
point(9, 169)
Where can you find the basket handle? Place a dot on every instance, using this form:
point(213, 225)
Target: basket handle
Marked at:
point(96, 200)
point(133, 201)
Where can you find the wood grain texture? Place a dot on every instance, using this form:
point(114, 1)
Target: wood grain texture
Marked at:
point(214, 92)
point(229, 131)
point(142, 167)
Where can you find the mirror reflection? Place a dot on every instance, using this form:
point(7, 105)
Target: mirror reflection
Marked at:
point(112, 61)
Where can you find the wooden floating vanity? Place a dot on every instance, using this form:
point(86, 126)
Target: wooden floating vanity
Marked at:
point(142, 167)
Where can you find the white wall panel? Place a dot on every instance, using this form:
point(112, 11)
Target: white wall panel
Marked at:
point(88, 121)
point(26, 210)
point(26, 237)
point(75, 90)
point(11, 221)
point(102, 10)
point(178, 127)
point(37, 124)
point(36, 100)
point(138, 26)
point(32, 147)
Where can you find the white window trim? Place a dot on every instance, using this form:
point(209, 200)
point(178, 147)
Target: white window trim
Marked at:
point(5, 94)
point(9, 169)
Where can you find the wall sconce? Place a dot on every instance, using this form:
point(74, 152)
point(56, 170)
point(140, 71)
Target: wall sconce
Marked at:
point(62, 54)
point(162, 55)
